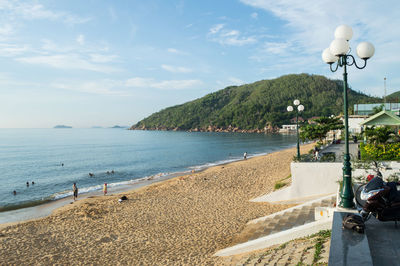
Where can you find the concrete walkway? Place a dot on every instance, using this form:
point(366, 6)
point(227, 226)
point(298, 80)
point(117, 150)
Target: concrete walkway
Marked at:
point(339, 149)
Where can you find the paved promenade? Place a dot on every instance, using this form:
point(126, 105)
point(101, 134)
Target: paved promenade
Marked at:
point(338, 149)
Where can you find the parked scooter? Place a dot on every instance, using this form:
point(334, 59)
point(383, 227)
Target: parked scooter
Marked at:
point(380, 199)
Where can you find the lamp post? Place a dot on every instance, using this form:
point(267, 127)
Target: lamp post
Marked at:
point(299, 108)
point(339, 52)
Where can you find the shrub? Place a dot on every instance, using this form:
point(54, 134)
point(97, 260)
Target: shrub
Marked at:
point(380, 152)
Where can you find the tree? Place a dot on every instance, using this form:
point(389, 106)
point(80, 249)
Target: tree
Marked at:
point(320, 129)
point(379, 135)
point(377, 109)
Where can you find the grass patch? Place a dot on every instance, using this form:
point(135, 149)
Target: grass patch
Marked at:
point(279, 184)
point(322, 236)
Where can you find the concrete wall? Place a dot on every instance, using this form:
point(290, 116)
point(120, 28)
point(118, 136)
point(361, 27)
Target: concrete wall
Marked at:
point(308, 180)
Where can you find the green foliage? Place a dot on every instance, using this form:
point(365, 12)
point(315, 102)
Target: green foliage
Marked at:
point(377, 109)
point(379, 135)
point(256, 105)
point(321, 239)
point(394, 97)
point(279, 185)
point(380, 152)
point(328, 157)
point(321, 127)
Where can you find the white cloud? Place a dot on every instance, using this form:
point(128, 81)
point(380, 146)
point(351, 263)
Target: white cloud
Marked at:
point(176, 51)
point(101, 58)
point(80, 39)
point(139, 82)
point(66, 61)
point(309, 28)
point(235, 81)
point(31, 11)
point(103, 87)
point(220, 34)
point(6, 30)
point(177, 84)
point(176, 69)
point(216, 28)
point(11, 50)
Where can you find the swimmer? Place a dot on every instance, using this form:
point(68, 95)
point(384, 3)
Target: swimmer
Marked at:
point(15, 192)
point(112, 172)
point(33, 183)
point(27, 184)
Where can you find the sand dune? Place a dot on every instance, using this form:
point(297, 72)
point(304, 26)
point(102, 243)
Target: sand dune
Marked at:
point(184, 220)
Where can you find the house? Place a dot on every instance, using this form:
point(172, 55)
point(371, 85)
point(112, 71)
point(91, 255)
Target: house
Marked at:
point(368, 108)
point(288, 128)
point(293, 120)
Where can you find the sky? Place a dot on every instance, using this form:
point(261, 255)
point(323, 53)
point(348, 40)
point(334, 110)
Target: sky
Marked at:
point(105, 63)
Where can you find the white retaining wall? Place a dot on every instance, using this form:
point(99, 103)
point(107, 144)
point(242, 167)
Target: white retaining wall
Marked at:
point(309, 180)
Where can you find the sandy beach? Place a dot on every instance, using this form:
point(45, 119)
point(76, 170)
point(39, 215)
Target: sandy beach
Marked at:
point(184, 220)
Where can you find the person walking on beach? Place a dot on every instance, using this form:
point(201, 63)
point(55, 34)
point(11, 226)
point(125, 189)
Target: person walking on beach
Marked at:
point(75, 190)
point(245, 155)
point(105, 189)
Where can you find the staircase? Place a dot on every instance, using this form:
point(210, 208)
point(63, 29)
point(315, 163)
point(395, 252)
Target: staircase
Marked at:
point(280, 227)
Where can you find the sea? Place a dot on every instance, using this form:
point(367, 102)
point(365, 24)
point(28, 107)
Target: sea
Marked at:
point(54, 159)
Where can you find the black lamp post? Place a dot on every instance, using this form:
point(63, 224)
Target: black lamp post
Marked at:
point(339, 52)
point(299, 108)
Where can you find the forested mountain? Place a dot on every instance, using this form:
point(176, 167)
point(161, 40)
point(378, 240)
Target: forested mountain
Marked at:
point(259, 106)
point(394, 97)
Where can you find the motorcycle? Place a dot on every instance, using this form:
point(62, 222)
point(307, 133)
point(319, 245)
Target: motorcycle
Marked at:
point(379, 199)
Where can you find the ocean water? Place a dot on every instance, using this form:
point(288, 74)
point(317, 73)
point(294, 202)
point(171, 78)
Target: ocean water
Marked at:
point(37, 155)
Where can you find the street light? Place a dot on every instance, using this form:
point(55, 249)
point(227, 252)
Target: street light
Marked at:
point(339, 52)
point(300, 108)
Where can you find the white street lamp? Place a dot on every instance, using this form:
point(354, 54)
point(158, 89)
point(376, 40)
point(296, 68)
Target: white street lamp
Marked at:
point(338, 52)
point(300, 108)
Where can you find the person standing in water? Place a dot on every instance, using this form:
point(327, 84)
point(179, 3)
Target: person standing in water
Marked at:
point(245, 155)
point(75, 190)
point(105, 189)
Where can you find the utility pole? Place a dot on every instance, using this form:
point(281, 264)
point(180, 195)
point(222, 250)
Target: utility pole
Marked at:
point(384, 85)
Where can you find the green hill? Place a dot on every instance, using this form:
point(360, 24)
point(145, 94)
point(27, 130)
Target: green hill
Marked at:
point(256, 106)
point(394, 97)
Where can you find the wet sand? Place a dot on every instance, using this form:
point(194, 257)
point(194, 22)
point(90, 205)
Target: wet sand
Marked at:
point(184, 220)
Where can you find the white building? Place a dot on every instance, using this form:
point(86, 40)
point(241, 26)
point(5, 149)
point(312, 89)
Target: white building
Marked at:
point(355, 123)
point(288, 128)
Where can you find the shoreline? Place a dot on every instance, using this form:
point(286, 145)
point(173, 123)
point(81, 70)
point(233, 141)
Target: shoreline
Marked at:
point(42, 210)
point(183, 220)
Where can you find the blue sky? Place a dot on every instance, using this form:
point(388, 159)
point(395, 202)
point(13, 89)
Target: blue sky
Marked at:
point(103, 63)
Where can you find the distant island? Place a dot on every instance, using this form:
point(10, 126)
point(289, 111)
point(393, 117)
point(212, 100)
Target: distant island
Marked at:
point(97, 127)
point(119, 126)
point(62, 126)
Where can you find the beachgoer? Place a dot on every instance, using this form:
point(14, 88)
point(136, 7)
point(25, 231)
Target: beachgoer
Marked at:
point(316, 155)
point(91, 174)
point(108, 172)
point(15, 192)
point(75, 190)
point(62, 164)
point(33, 183)
point(112, 171)
point(245, 155)
point(27, 184)
point(105, 189)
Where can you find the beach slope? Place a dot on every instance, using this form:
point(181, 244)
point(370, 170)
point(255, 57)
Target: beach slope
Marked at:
point(184, 220)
